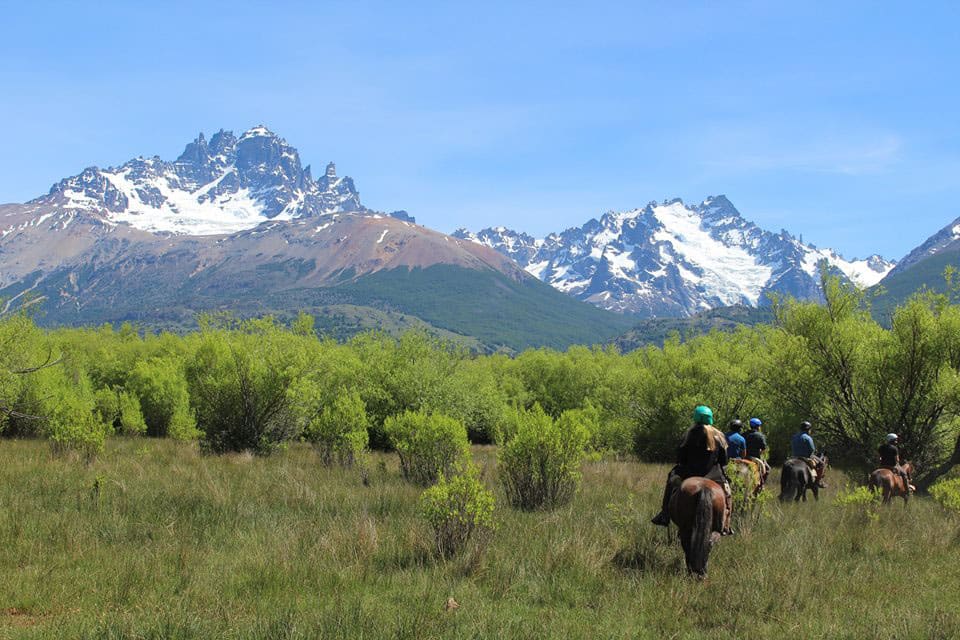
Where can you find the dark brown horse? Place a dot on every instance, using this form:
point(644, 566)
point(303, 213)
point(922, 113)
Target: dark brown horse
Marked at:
point(697, 509)
point(890, 483)
point(796, 477)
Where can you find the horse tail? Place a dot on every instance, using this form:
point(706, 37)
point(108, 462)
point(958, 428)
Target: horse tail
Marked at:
point(701, 535)
point(787, 489)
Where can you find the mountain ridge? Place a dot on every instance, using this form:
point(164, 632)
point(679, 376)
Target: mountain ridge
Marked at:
point(670, 259)
point(238, 224)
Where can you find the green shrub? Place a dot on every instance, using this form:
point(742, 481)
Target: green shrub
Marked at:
point(459, 509)
point(539, 464)
point(107, 406)
point(160, 386)
point(339, 433)
point(121, 411)
point(73, 424)
point(947, 493)
point(430, 445)
point(240, 385)
point(131, 417)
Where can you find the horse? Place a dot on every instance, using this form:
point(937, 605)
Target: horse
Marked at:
point(796, 477)
point(890, 483)
point(749, 474)
point(697, 509)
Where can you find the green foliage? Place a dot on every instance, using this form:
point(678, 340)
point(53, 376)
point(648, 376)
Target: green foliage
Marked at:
point(240, 383)
point(947, 493)
point(339, 432)
point(73, 424)
point(857, 497)
point(121, 411)
point(160, 385)
point(459, 509)
point(539, 463)
point(430, 445)
point(859, 381)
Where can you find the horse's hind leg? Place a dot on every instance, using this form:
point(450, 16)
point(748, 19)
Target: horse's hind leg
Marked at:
point(816, 492)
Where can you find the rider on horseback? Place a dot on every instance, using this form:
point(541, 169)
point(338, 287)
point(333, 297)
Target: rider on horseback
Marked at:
point(703, 453)
point(801, 446)
point(736, 445)
point(890, 459)
point(756, 445)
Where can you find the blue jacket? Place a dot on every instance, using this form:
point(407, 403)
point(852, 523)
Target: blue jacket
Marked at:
point(801, 445)
point(736, 445)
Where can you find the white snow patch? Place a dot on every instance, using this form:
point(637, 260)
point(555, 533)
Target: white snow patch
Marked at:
point(860, 272)
point(536, 269)
point(383, 235)
point(729, 273)
point(182, 213)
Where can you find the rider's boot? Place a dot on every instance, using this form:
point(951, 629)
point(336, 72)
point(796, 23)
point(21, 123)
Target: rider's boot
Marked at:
point(662, 519)
point(906, 483)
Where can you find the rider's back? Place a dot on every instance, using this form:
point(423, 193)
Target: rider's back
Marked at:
point(801, 445)
point(889, 455)
point(756, 443)
point(696, 458)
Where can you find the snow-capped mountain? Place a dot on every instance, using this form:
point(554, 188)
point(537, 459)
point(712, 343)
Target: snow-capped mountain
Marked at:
point(676, 259)
point(223, 186)
point(236, 224)
point(945, 241)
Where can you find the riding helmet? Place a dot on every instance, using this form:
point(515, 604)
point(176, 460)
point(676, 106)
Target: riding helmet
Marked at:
point(805, 426)
point(755, 423)
point(735, 425)
point(702, 415)
point(892, 437)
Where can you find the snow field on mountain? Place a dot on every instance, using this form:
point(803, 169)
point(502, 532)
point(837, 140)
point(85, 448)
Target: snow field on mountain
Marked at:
point(727, 272)
point(182, 212)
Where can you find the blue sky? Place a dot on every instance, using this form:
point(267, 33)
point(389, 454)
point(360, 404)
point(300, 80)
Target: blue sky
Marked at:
point(837, 122)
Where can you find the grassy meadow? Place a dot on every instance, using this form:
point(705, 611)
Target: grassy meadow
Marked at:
point(155, 540)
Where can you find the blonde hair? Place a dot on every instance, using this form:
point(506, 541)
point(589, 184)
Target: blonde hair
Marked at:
point(711, 434)
point(714, 436)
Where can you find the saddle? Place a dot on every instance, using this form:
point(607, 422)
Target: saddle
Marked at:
point(810, 462)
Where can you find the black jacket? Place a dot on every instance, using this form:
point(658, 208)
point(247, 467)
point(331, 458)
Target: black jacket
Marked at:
point(756, 443)
point(889, 455)
point(695, 459)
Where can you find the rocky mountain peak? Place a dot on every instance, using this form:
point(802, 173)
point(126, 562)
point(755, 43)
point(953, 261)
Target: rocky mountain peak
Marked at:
point(222, 185)
point(670, 259)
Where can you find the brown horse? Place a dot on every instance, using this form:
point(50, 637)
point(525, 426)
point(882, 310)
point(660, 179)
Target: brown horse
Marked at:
point(890, 483)
point(697, 509)
point(752, 475)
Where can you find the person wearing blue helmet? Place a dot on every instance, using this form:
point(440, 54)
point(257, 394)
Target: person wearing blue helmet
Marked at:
point(703, 453)
point(736, 445)
point(756, 441)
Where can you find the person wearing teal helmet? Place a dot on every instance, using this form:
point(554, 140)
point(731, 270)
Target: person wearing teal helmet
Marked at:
point(702, 453)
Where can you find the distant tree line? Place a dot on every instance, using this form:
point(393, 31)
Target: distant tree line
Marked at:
point(254, 385)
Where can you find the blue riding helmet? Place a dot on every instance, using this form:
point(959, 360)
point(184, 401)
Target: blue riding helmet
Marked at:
point(755, 423)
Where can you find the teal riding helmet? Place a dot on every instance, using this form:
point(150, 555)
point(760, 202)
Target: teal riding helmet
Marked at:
point(702, 415)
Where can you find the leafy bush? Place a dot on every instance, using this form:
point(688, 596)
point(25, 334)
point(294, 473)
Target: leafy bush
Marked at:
point(160, 386)
point(72, 422)
point(859, 497)
point(240, 382)
point(458, 509)
point(947, 493)
point(430, 445)
point(121, 411)
point(339, 433)
point(539, 464)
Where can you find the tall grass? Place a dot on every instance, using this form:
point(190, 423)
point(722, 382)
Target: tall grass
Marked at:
point(155, 540)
